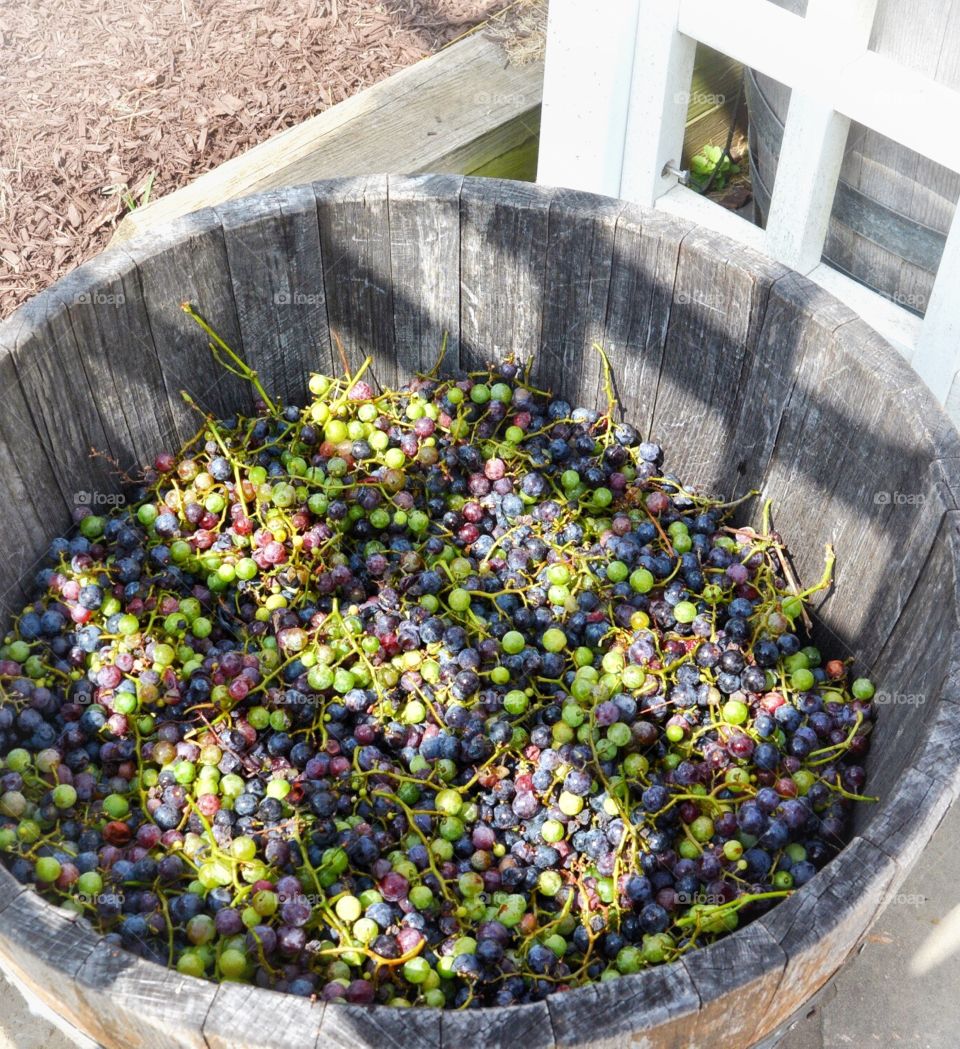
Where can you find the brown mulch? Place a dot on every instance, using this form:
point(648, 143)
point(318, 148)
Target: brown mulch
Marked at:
point(107, 102)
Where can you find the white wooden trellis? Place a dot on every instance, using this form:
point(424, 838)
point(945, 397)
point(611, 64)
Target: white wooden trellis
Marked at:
point(616, 88)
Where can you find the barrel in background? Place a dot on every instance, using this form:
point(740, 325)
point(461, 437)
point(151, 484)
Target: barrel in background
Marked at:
point(892, 208)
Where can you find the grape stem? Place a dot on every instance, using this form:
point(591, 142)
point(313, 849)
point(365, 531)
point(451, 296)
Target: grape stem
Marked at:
point(435, 370)
point(240, 366)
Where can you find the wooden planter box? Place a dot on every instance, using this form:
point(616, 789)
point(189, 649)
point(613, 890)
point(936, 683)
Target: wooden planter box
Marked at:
point(750, 375)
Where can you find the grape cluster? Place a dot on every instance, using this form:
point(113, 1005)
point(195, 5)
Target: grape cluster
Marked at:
point(444, 696)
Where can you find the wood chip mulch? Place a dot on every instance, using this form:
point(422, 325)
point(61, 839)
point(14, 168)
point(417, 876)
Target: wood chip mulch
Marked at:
point(105, 102)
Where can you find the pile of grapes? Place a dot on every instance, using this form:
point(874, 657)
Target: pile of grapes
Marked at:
point(443, 696)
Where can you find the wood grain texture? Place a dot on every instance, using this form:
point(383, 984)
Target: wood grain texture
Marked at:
point(820, 925)
point(266, 1019)
point(927, 430)
point(745, 968)
point(34, 505)
point(115, 346)
point(63, 400)
point(579, 257)
point(655, 1008)
point(938, 756)
point(467, 110)
point(424, 217)
point(359, 1027)
point(46, 948)
point(355, 245)
point(798, 319)
point(643, 272)
point(509, 150)
point(10, 888)
point(273, 251)
point(918, 713)
point(715, 321)
point(187, 262)
point(907, 819)
point(150, 1006)
point(527, 1026)
point(878, 502)
point(503, 244)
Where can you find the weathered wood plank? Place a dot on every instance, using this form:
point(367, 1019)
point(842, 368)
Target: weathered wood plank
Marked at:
point(939, 755)
point(736, 979)
point(659, 1005)
point(527, 1026)
point(799, 317)
point(186, 261)
point(645, 252)
point(379, 1027)
point(63, 399)
point(263, 1019)
point(503, 243)
point(927, 428)
point(905, 822)
point(273, 251)
point(10, 888)
point(481, 113)
point(834, 383)
point(45, 948)
point(508, 151)
point(820, 925)
point(355, 246)
point(716, 317)
point(452, 112)
point(424, 215)
point(34, 505)
point(141, 1003)
point(878, 502)
point(579, 256)
point(116, 348)
point(916, 696)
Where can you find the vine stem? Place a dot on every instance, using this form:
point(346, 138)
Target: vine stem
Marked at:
point(435, 370)
point(612, 403)
point(242, 368)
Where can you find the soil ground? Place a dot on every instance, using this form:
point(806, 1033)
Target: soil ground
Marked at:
point(104, 103)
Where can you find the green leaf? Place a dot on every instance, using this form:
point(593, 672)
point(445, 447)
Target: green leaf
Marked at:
point(712, 153)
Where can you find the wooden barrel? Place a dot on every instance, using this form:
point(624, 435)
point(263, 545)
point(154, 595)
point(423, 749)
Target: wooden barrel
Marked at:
point(748, 373)
point(892, 208)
